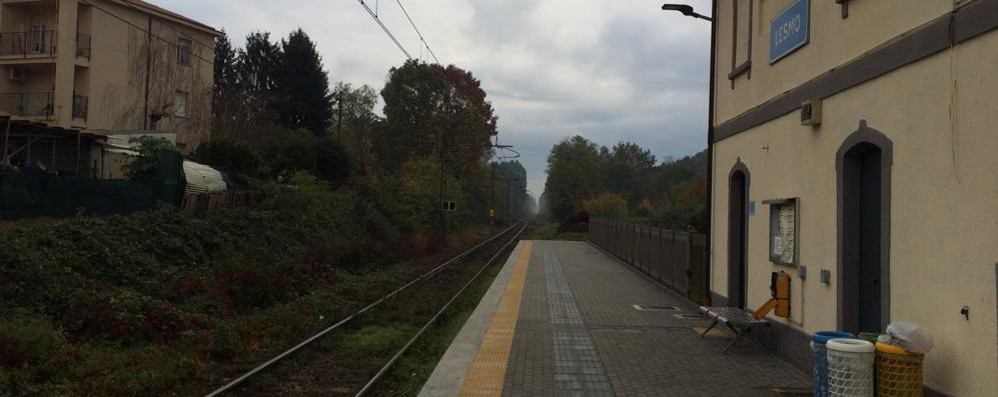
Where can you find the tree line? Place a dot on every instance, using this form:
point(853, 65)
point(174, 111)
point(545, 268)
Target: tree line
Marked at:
point(276, 113)
point(625, 181)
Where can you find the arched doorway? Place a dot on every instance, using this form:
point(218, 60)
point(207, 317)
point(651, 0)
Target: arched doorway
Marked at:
point(738, 202)
point(864, 172)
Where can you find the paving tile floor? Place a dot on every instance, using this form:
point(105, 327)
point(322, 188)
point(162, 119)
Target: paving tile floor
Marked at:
point(578, 334)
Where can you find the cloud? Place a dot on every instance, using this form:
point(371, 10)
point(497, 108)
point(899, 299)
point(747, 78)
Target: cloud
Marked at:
point(608, 70)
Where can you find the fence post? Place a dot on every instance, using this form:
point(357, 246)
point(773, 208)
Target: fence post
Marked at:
point(648, 252)
point(634, 244)
point(661, 253)
point(675, 260)
point(689, 264)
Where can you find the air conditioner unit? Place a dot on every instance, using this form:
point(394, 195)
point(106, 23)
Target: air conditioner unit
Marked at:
point(19, 74)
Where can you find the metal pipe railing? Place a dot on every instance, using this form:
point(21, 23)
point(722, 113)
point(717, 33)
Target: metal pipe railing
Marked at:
point(28, 104)
point(39, 42)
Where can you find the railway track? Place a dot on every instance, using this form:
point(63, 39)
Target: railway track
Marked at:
point(417, 305)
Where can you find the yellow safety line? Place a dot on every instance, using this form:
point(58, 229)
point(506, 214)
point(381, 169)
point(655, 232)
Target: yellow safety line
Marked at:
point(488, 371)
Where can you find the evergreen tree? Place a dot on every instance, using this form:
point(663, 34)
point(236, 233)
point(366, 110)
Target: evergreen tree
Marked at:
point(302, 86)
point(226, 98)
point(258, 70)
point(225, 73)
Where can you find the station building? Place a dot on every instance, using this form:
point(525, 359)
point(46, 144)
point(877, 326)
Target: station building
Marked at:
point(854, 145)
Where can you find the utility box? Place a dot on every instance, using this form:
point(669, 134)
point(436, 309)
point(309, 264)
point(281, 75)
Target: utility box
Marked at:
point(810, 112)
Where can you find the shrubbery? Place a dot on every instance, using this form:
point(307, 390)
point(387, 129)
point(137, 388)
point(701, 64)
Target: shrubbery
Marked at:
point(606, 204)
point(272, 151)
point(118, 286)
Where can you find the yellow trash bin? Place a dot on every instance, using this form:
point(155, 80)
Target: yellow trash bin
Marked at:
point(899, 373)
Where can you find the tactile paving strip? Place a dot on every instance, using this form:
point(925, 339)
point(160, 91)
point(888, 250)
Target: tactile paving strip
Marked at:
point(577, 367)
point(485, 378)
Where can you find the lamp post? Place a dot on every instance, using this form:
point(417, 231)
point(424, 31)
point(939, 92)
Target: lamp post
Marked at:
point(685, 10)
point(688, 11)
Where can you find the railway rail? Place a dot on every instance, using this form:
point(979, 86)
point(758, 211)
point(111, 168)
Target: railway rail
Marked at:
point(506, 237)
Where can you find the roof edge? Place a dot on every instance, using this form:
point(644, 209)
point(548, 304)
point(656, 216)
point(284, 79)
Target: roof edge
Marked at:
point(161, 12)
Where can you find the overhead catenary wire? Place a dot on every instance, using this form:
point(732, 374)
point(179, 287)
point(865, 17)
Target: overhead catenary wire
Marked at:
point(418, 33)
point(385, 28)
point(129, 23)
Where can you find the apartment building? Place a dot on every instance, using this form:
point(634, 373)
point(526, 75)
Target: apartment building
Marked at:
point(854, 147)
point(74, 72)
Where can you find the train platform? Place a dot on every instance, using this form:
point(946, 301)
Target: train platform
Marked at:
point(565, 318)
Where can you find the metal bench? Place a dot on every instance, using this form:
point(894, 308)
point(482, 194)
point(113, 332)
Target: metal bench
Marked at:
point(737, 320)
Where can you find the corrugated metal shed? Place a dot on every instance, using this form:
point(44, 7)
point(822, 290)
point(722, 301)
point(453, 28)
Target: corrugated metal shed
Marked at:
point(202, 179)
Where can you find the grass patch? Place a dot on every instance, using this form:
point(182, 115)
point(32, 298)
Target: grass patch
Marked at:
point(413, 369)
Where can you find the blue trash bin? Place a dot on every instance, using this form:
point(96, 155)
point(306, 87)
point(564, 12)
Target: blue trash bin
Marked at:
point(819, 358)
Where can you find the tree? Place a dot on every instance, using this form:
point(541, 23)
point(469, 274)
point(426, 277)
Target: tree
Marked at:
point(414, 97)
point(627, 171)
point(510, 189)
point(302, 86)
point(429, 108)
point(574, 175)
point(472, 117)
point(259, 68)
point(354, 121)
point(227, 99)
point(226, 75)
point(606, 204)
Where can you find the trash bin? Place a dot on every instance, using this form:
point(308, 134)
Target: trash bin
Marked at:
point(819, 359)
point(899, 373)
point(850, 367)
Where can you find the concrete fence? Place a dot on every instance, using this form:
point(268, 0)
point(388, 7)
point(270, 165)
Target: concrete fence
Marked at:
point(676, 259)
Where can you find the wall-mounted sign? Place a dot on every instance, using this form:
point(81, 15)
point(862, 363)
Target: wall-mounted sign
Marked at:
point(789, 30)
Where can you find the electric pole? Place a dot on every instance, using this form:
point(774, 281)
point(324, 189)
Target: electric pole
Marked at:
point(492, 200)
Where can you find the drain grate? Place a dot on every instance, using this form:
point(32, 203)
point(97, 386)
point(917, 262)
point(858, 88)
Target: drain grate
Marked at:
point(688, 316)
point(657, 308)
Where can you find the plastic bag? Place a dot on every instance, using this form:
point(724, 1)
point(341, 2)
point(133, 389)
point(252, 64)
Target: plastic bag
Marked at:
point(911, 337)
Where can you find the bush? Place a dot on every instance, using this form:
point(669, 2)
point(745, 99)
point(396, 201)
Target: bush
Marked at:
point(681, 218)
point(32, 354)
point(606, 204)
point(146, 167)
point(230, 156)
point(272, 151)
point(332, 163)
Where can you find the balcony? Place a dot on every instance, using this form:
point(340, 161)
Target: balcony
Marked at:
point(30, 104)
point(39, 44)
point(28, 44)
point(40, 105)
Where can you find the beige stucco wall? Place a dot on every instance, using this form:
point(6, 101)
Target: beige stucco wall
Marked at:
point(944, 203)
point(834, 41)
point(115, 75)
point(118, 71)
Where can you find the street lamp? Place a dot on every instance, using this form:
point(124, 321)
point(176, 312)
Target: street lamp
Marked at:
point(688, 11)
point(685, 10)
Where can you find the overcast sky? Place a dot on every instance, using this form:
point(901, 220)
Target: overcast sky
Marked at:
point(609, 70)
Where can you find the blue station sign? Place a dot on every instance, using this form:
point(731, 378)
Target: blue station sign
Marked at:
point(789, 30)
